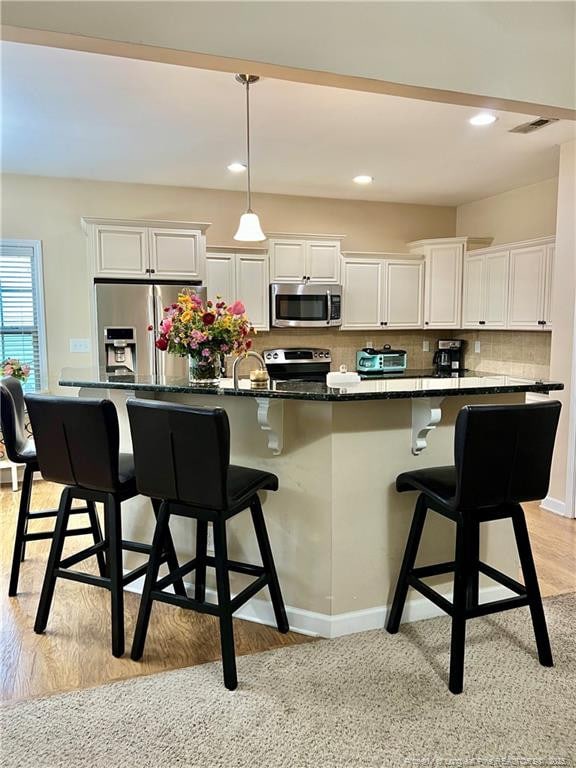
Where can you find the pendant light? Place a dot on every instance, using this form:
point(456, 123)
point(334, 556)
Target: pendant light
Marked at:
point(249, 229)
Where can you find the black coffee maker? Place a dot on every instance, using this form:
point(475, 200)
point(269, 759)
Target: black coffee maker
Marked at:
point(449, 357)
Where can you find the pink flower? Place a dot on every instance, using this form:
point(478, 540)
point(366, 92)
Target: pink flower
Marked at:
point(206, 353)
point(237, 308)
point(8, 370)
point(224, 347)
point(198, 336)
point(166, 326)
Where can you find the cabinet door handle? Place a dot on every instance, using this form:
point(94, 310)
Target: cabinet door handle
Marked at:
point(481, 322)
point(151, 271)
point(426, 322)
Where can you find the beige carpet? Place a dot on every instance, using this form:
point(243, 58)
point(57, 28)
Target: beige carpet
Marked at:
point(364, 701)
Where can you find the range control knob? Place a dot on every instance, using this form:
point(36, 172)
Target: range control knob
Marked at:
point(275, 355)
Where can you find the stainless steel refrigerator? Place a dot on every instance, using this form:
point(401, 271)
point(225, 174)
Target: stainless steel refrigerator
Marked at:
point(124, 311)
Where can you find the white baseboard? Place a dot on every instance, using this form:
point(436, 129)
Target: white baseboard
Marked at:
point(417, 607)
point(551, 504)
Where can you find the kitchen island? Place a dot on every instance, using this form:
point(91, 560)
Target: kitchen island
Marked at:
point(338, 528)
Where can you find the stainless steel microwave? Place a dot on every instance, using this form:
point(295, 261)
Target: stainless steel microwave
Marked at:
point(305, 305)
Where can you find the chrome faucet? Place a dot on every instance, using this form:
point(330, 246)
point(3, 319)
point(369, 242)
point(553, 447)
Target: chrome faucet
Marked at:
point(244, 355)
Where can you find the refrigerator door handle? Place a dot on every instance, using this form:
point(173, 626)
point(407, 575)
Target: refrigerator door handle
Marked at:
point(159, 313)
point(152, 334)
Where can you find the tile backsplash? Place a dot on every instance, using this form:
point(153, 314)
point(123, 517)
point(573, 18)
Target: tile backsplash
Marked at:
point(517, 353)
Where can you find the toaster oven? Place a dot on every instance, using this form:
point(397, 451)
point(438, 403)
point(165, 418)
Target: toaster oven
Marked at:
point(371, 361)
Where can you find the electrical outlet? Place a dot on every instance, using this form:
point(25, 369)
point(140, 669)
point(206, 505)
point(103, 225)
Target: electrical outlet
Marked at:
point(425, 346)
point(477, 347)
point(79, 345)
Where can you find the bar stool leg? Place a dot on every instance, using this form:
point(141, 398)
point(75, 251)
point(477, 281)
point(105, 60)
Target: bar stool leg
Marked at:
point(113, 523)
point(151, 578)
point(532, 587)
point(465, 539)
point(200, 570)
point(269, 567)
point(97, 536)
point(225, 613)
point(170, 549)
point(21, 523)
point(407, 565)
point(53, 561)
point(472, 594)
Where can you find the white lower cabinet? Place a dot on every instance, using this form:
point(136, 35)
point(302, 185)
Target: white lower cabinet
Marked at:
point(382, 293)
point(242, 276)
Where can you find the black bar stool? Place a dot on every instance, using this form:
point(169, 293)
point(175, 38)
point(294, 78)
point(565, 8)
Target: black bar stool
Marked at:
point(503, 455)
point(20, 449)
point(182, 455)
point(77, 441)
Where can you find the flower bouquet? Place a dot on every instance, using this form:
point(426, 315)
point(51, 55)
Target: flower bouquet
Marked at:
point(204, 333)
point(13, 367)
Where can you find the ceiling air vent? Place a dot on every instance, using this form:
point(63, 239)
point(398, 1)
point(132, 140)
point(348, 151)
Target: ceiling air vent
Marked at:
point(534, 125)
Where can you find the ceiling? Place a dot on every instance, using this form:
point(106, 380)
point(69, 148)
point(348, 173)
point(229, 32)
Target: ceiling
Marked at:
point(83, 115)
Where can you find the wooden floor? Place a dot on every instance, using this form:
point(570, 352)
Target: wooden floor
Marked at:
point(75, 650)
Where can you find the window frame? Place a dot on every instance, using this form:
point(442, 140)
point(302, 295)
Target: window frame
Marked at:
point(38, 294)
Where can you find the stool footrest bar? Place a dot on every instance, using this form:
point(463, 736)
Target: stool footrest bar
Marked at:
point(186, 602)
point(433, 570)
point(501, 578)
point(134, 574)
point(237, 567)
point(83, 555)
point(84, 578)
point(431, 594)
point(53, 512)
point(248, 592)
point(496, 606)
point(137, 546)
point(179, 573)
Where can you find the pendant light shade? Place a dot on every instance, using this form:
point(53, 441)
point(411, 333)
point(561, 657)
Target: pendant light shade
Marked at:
point(249, 229)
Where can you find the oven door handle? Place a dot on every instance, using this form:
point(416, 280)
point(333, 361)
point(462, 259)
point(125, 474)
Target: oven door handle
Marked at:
point(329, 306)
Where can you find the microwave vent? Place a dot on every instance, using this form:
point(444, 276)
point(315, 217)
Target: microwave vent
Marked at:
point(534, 125)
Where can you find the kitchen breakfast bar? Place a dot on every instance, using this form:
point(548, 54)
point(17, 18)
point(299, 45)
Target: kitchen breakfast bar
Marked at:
point(338, 527)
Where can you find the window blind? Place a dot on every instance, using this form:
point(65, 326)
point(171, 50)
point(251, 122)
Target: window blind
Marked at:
point(20, 309)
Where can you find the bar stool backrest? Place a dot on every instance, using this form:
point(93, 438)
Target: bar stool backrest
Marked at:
point(12, 413)
point(77, 440)
point(181, 453)
point(503, 453)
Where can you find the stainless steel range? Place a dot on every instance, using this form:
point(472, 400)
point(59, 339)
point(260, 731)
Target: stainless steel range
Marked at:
point(297, 363)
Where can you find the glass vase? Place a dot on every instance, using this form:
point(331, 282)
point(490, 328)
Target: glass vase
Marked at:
point(204, 370)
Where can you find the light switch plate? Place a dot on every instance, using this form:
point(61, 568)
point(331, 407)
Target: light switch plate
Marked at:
point(477, 347)
point(79, 345)
point(425, 346)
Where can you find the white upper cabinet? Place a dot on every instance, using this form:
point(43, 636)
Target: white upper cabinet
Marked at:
point(530, 280)
point(381, 293)
point(550, 253)
point(404, 294)
point(162, 250)
point(243, 276)
point(323, 261)
point(252, 288)
point(362, 281)
point(485, 294)
point(509, 286)
point(293, 260)
point(496, 297)
point(176, 254)
point(221, 276)
point(443, 278)
point(121, 251)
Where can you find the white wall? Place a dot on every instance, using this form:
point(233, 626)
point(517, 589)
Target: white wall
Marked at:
point(563, 320)
point(519, 214)
point(511, 50)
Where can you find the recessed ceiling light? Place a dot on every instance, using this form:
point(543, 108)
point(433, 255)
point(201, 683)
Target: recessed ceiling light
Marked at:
point(237, 167)
point(363, 179)
point(483, 118)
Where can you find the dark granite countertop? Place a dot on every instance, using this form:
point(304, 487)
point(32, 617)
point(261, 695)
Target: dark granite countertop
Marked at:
point(395, 386)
